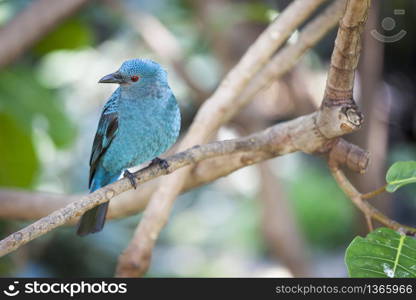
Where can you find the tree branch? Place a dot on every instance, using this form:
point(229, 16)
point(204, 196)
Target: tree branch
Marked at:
point(24, 205)
point(346, 53)
point(374, 193)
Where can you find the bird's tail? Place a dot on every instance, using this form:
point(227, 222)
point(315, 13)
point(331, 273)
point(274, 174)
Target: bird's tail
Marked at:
point(93, 220)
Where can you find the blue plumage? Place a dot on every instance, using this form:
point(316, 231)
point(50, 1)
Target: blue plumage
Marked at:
point(140, 121)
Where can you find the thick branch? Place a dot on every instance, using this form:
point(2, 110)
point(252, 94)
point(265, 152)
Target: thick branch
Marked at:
point(288, 56)
point(346, 52)
point(34, 22)
point(25, 205)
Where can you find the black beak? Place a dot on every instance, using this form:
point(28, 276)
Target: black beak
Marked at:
point(112, 78)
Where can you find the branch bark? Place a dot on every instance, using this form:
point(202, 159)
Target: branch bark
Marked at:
point(346, 53)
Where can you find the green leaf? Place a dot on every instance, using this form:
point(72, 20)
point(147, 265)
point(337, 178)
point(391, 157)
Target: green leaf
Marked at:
point(18, 161)
point(400, 174)
point(383, 253)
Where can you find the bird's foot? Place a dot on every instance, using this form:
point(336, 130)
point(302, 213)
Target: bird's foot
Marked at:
point(131, 178)
point(161, 162)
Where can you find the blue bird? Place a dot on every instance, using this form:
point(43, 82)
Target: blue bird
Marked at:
point(140, 121)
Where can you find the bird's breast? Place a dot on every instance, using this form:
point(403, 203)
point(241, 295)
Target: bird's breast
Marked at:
point(147, 128)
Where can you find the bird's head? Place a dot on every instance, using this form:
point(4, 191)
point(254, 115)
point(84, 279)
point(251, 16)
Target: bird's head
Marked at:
point(135, 72)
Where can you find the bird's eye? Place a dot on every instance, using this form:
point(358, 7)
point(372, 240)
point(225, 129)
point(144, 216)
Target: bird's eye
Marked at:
point(134, 78)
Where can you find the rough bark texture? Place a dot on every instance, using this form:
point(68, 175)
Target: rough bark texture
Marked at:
point(346, 53)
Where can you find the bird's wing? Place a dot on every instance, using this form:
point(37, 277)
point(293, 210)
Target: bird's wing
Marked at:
point(106, 131)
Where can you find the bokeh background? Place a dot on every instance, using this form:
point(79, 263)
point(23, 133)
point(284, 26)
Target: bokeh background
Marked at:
point(281, 218)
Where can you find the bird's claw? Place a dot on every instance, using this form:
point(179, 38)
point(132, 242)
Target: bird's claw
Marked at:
point(161, 162)
point(131, 178)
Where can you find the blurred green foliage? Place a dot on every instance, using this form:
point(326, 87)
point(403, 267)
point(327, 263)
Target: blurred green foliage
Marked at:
point(18, 160)
point(27, 101)
point(324, 213)
point(25, 105)
point(72, 34)
point(258, 12)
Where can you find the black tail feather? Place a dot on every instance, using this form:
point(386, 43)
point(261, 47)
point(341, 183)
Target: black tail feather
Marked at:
point(93, 220)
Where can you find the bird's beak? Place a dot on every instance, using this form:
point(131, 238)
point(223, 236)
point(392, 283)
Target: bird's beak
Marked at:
point(112, 78)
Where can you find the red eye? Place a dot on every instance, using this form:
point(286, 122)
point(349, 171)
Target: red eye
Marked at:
point(134, 78)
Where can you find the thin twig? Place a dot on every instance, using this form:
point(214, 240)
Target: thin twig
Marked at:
point(374, 193)
point(369, 223)
point(365, 207)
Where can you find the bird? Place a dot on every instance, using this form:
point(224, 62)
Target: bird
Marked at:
point(139, 122)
